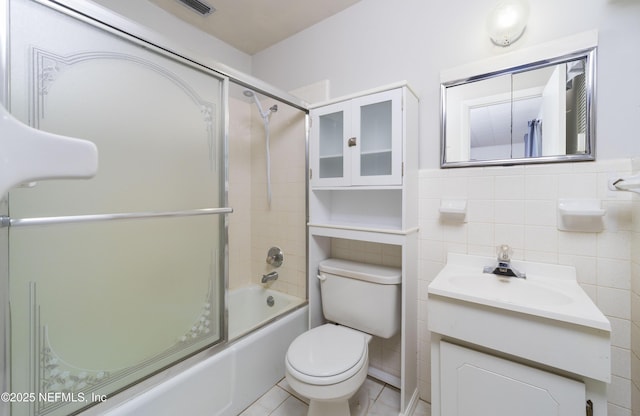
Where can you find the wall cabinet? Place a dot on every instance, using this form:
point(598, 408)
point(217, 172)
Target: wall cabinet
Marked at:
point(357, 141)
point(363, 160)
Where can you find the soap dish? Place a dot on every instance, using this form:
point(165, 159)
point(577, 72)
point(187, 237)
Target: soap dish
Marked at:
point(585, 215)
point(453, 209)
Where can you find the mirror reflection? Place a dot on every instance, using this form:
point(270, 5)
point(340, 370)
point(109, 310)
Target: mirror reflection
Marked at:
point(530, 114)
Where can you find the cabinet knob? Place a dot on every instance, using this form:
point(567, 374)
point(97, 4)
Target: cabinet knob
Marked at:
point(351, 142)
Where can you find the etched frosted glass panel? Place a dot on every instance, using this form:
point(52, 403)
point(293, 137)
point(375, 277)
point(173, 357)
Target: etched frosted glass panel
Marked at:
point(99, 306)
point(155, 121)
point(331, 145)
point(375, 130)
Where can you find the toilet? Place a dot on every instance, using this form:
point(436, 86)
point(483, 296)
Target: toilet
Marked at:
point(328, 364)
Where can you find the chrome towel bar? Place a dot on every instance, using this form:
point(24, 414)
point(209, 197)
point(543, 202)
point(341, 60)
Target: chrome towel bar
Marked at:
point(26, 222)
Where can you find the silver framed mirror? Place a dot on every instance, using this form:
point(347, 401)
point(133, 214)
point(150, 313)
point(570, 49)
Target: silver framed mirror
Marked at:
point(539, 112)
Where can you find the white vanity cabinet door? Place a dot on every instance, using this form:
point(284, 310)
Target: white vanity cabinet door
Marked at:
point(358, 141)
point(478, 384)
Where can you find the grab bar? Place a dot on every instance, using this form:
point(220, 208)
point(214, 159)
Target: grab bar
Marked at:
point(6, 221)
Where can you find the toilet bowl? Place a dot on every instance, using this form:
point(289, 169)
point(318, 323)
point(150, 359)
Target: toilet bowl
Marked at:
point(328, 365)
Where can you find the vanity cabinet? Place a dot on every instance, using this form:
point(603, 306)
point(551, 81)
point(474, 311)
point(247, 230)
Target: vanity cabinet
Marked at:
point(363, 176)
point(357, 141)
point(474, 383)
point(507, 346)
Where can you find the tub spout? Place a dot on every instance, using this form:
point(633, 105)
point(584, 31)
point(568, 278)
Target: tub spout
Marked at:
point(269, 277)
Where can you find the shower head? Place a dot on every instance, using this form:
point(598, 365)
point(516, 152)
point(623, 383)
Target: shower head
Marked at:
point(251, 94)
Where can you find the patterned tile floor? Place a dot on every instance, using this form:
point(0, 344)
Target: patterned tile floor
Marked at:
point(281, 400)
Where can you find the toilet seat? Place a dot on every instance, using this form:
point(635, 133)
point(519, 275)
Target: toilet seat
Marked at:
point(327, 354)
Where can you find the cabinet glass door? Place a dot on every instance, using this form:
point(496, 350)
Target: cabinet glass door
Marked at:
point(331, 147)
point(329, 155)
point(378, 131)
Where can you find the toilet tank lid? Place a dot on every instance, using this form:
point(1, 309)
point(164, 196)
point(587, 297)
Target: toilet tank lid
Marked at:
point(373, 273)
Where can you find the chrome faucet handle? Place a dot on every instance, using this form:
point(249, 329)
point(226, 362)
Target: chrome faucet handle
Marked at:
point(504, 253)
point(275, 256)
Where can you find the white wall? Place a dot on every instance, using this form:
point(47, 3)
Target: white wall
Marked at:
point(376, 42)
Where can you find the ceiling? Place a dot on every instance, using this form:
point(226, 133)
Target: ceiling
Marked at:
point(254, 25)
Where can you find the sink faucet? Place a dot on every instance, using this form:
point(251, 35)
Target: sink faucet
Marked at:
point(503, 268)
point(269, 277)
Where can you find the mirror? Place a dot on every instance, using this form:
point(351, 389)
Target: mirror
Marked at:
point(535, 113)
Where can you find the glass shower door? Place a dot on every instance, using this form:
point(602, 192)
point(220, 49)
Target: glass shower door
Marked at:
point(116, 277)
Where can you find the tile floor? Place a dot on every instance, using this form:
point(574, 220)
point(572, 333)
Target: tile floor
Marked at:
point(281, 400)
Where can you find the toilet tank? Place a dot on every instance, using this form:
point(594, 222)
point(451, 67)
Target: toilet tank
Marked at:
point(361, 296)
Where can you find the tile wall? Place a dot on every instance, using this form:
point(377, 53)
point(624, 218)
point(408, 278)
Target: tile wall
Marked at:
point(518, 206)
point(239, 222)
point(254, 226)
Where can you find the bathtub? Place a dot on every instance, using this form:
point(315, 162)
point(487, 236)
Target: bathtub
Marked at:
point(253, 306)
point(225, 381)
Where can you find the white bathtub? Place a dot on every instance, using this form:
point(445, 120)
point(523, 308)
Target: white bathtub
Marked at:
point(226, 382)
point(249, 308)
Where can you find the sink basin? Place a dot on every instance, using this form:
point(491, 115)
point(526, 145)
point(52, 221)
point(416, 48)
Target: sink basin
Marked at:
point(546, 318)
point(509, 290)
point(549, 291)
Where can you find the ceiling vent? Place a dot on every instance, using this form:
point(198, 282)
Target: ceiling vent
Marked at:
point(198, 6)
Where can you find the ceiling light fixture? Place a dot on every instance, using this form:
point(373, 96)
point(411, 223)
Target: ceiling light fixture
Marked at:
point(507, 21)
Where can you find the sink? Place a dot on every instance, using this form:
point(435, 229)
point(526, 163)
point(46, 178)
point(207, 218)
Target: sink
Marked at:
point(545, 319)
point(549, 291)
point(509, 290)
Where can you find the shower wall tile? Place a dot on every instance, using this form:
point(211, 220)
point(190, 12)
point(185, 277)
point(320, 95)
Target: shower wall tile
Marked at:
point(283, 224)
point(239, 194)
point(254, 226)
point(517, 205)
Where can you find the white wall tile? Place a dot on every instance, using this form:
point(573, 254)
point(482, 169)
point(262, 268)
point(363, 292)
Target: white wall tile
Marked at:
point(510, 187)
point(523, 214)
point(614, 273)
point(621, 362)
point(614, 245)
point(541, 187)
point(578, 186)
point(509, 211)
point(480, 210)
point(614, 302)
point(542, 213)
point(541, 238)
point(512, 235)
point(581, 244)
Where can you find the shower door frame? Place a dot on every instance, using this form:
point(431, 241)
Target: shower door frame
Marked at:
point(132, 32)
point(5, 328)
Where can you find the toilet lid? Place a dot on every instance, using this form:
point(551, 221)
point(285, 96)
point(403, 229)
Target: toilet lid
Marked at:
point(327, 350)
